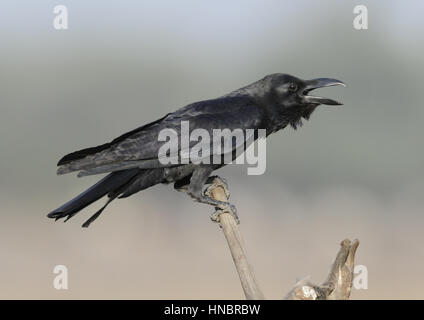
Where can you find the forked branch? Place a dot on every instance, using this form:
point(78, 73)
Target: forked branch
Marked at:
point(337, 286)
point(339, 282)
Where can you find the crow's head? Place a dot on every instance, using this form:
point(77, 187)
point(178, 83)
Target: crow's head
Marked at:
point(289, 97)
point(290, 92)
point(292, 96)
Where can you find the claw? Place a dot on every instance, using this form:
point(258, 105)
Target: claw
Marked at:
point(230, 208)
point(217, 182)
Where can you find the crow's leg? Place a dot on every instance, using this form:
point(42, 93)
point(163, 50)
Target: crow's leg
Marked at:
point(182, 185)
point(195, 190)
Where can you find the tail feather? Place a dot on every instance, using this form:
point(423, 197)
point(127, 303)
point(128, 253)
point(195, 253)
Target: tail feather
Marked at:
point(107, 185)
point(97, 214)
point(146, 179)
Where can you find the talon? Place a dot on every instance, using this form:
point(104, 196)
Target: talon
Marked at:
point(217, 182)
point(229, 208)
point(233, 211)
point(215, 217)
point(224, 185)
point(208, 190)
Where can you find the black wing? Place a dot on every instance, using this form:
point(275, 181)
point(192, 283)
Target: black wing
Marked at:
point(141, 146)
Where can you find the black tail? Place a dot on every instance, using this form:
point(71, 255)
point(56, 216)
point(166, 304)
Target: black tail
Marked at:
point(108, 185)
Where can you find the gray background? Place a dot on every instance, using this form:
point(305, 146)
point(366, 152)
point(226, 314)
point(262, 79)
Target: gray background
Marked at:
point(353, 171)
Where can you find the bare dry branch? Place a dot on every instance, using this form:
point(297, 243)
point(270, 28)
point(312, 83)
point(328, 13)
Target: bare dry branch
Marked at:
point(337, 286)
point(339, 282)
point(236, 244)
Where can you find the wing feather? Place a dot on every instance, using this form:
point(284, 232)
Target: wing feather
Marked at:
point(142, 145)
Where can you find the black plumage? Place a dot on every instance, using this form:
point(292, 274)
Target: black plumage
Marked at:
point(272, 103)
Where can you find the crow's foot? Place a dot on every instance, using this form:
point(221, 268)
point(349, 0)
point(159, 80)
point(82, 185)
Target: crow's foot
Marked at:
point(224, 207)
point(231, 209)
point(216, 181)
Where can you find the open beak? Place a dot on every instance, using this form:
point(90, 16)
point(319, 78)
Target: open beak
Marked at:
point(320, 83)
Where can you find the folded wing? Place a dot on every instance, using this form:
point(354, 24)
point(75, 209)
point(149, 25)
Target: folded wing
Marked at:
point(140, 147)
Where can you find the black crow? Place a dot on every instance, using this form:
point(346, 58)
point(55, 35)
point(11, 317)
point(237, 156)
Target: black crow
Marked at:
point(132, 160)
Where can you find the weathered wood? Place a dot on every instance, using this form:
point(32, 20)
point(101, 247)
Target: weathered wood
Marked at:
point(339, 282)
point(337, 286)
point(236, 244)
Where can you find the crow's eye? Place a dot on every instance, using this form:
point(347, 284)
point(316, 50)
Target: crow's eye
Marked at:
point(292, 87)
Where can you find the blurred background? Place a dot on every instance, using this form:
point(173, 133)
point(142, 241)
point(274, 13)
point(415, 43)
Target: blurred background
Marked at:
point(350, 172)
